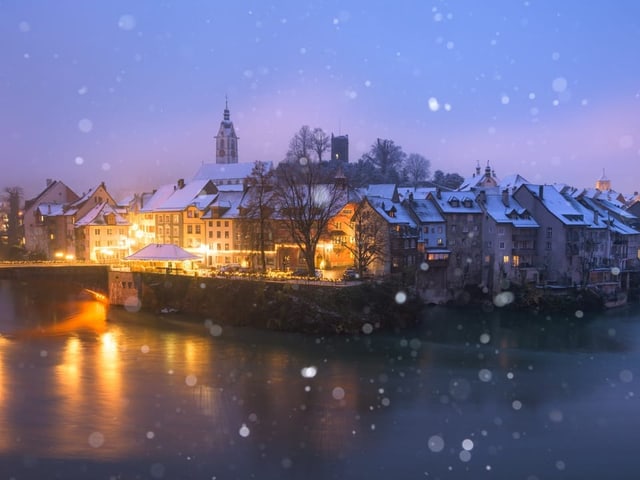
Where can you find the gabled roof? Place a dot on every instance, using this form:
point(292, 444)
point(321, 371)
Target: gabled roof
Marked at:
point(595, 215)
point(383, 190)
point(159, 197)
point(162, 252)
point(512, 212)
point(557, 204)
point(486, 178)
point(199, 193)
point(455, 202)
point(512, 182)
point(218, 172)
point(46, 195)
point(226, 205)
point(86, 196)
point(50, 209)
point(392, 212)
point(97, 216)
point(426, 211)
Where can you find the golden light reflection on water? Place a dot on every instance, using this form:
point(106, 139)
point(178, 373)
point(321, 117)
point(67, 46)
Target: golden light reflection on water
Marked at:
point(107, 385)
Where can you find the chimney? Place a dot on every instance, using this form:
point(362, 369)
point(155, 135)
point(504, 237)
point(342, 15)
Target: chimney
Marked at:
point(49, 182)
point(180, 183)
point(438, 193)
point(540, 192)
point(505, 197)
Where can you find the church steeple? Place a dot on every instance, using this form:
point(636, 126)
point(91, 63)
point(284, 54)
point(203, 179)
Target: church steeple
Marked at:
point(226, 139)
point(604, 184)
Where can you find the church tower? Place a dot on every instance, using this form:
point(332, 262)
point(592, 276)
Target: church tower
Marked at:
point(226, 140)
point(603, 184)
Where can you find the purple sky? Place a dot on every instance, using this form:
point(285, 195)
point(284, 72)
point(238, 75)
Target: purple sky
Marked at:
point(132, 93)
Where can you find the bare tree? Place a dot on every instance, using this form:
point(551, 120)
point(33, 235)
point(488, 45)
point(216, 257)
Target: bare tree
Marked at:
point(306, 205)
point(257, 208)
point(321, 143)
point(14, 197)
point(416, 168)
point(450, 181)
point(386, 157)
point(301, 145)
point(370, 239)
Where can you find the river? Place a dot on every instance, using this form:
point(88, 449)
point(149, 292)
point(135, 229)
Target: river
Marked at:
point(87, 393)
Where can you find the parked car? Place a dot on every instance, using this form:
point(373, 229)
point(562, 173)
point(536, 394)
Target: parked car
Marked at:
point(303, 272)
point(350, 274)
point(230, 268)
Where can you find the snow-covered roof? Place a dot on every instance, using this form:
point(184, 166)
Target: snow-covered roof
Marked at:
point(198, 193)
point(161, 252)
point(557, 204)
point(456, 202)
point(509, 211)
point(393, 212)
point(218, 172)
point(383, 190)
point(50, 209)
point(159, 197)
point(481, 178)
point(226, 205)
point(426, 211)
point(512, 182)
point(97, 216)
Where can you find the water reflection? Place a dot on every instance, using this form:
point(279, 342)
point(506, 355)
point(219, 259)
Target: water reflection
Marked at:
point(169, 397)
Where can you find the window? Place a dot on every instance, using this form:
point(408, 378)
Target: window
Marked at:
point(160, 219)
point(198, 230)
point(516, 261)
point(505, 259)
point(218, 246)
point(440, 229)
point(97, 231)
point(548, 246)
point(226, 234)
point(218, 234)
point(109, 231)
point(176, 218)
point(218, 223)
point(189, 229)
point(209, 234)
point(501, 231)
point(226, 246)
point(226, 223)
point(501, 245)
point(549, 233)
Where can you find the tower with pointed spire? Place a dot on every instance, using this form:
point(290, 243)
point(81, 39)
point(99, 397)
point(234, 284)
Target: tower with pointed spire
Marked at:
point(226, 139)
point(603, 184)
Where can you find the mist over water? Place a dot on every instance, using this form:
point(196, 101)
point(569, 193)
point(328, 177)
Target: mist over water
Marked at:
point(87, 392)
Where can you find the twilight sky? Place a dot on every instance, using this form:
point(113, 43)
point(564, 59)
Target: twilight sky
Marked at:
point(132, 93)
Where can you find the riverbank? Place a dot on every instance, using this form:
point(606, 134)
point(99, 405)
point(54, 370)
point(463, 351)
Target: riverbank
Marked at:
point(287, 306)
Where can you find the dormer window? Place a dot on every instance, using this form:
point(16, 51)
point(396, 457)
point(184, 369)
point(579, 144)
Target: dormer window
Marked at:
point(467, 203)
point(454, 202)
